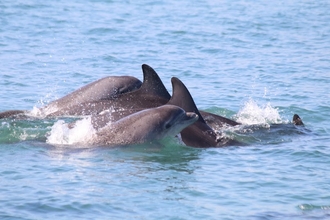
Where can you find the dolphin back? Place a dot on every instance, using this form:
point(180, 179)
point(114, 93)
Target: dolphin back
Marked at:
point(11, 113)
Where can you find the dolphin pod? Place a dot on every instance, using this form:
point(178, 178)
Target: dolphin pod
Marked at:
point(120, 101)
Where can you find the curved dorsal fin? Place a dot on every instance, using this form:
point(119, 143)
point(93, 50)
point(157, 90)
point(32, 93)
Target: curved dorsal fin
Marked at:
point(152, 84)
point(181, 97)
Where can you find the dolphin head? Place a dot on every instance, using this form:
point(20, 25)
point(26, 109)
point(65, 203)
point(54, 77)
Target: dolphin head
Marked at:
point(164, 121)
point(172, 120)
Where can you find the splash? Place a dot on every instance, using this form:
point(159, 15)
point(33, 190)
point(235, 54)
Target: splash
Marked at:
point(252, 113)
point(80, 133)
point(36, 112)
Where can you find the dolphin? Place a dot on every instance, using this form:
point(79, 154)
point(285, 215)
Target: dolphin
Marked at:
point(103, 89)
point(144, 126)
point(152, 93)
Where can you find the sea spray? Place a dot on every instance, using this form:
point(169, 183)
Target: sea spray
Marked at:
point(81, 132)
point(252, 113)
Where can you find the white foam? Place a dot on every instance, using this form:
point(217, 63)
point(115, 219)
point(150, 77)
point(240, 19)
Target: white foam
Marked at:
point(81, 132)
point(251, 113)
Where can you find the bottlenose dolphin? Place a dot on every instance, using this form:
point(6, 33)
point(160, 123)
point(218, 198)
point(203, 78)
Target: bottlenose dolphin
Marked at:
point(152, 93)
point(144, 126)
point(102, 89)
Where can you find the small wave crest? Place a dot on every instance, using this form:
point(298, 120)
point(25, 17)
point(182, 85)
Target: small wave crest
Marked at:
point(61, 133)
point(252, 113)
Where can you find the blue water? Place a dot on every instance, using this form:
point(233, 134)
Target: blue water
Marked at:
point(258, 62)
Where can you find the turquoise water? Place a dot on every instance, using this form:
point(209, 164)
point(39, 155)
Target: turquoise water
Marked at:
point(257, 62)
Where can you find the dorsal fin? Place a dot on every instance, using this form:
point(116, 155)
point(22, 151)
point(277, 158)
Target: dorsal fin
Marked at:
point(152, 84)
point(181, 97)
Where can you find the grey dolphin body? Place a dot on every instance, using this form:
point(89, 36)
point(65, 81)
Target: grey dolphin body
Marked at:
point(144, 126)
point(152, 93)
point(102, 89)
point(91, 100)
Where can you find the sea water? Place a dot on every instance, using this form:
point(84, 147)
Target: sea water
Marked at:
point(257, 62)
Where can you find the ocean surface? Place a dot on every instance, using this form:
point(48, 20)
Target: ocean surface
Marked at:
point(257, 62)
